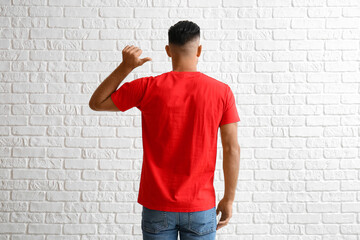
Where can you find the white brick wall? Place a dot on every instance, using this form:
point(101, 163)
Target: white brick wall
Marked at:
point(68, 172)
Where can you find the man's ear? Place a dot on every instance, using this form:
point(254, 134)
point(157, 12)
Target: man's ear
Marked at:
point(167, 49)
point(199, 51)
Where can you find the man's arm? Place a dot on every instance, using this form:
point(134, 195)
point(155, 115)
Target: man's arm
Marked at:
point(231, 159)
point(101, 98)
point(231, 165)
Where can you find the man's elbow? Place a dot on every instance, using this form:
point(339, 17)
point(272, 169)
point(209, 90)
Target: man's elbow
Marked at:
point(92, 106)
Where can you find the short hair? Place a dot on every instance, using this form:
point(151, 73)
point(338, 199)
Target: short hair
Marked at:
point(183, 32)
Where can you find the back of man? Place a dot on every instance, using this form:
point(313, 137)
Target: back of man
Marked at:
point(181, 113)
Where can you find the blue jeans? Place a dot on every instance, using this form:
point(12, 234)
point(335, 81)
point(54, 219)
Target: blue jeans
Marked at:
point(164, 225)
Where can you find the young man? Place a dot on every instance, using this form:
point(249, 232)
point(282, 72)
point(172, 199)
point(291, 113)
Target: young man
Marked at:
point(181, 112)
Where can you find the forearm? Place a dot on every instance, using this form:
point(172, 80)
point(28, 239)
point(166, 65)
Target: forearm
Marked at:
point(231, 166)
point(110, 84)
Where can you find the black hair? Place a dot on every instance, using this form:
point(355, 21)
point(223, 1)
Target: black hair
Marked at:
point(183, 32)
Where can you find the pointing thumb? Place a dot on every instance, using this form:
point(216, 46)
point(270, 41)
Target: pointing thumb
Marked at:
point(144, 60)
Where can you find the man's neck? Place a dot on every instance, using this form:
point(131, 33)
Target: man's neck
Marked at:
point(184, 65)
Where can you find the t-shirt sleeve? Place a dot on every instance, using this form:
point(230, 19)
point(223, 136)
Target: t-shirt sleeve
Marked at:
point(130, 94)
point(230, 114)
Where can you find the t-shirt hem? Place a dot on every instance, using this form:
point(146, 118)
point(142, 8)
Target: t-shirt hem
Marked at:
point(177, 209)
point(230, 121)
point(112, 96)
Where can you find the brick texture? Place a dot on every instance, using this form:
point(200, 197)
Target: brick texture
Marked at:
point(68, 172)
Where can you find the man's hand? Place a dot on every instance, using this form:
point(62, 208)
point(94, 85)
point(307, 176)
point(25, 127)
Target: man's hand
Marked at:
point(131, 57)
point(225, 207)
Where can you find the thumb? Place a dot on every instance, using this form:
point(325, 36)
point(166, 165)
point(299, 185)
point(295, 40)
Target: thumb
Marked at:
point(144, 60)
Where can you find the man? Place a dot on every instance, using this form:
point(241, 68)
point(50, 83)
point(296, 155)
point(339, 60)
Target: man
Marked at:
point(181, 112)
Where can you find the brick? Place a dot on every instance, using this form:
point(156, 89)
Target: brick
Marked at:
point(80, 142)
point(154, 13)
point(30, 196)
point(237, 24)
point(63, 153)
point(28, 152)
point(289, 12)
point(271, 67)
point(324, 34)
point(341, 45)
point(115, 164)
point(323, 229)
point(29, 174)
point(239, 3)
point(271, 45)
point(79, 228)
point(45, 11)
point(96, 175)
point(63, 196)
point(341, 66)
point(323, 12)
point(64, 22)
point(116, 34)
point(204, 3)
point(99, 45)
point(274, 3)
point(65, 3)
point(80, 186)
point(27, 87)
point(46, 56)
point(307, 23)
point(219, 13)
point(342, 23)
point(44, 228)
point(307, 45)
point(100, 3)
point(309, 3)
point(158, 3)
point(272, 23)
point(289, 34)
point(306, 67)
point(252, 229)
point(254, 12)
point(324, 56)
point(79, 12)
point(343, 3)
point(78, 164)
point(12, 228)
point(13, 98)
point(118, 12)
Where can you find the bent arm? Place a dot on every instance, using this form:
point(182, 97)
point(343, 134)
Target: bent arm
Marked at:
point(101, 100)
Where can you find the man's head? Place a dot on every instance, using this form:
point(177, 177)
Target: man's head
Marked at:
point(184, 39)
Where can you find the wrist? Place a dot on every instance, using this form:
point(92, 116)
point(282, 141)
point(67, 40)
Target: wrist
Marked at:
point(228, 199)
point(125, 67)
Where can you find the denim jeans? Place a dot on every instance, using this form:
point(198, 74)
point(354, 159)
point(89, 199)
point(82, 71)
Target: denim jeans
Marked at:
point(164, 225)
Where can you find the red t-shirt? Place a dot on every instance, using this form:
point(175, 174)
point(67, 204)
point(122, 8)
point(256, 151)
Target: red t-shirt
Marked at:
point(180, 114)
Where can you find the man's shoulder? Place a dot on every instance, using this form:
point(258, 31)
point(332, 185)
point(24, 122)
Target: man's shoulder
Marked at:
point(214, 81)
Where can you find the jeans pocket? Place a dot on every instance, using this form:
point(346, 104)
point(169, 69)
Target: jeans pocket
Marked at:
point(203, 222)
point(153, 221)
